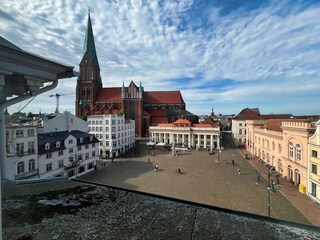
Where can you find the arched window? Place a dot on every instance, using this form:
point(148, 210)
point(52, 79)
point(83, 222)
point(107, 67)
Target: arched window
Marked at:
point(290, 150)
point(32, 165)
point(298, 152)
point(273, 146)
point(20, 167)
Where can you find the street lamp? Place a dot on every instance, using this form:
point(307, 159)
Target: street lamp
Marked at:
point(270, 186)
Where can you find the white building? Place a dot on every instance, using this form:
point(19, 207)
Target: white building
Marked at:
point(22, 153)
point(183, 132)
point(115, 133)
point(67, 153)
point(63, 122)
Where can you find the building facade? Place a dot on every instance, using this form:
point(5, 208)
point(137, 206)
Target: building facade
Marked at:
point(63, 122)
point(282, 144)
point(145, 108)
point(22, 152)
point(66, 153)
point(183, 132)
point(115, 133)
point(314, 165)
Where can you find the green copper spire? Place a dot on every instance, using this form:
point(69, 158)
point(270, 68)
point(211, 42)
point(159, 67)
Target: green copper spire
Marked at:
point(89, 46)
point(122, 90)
point(140, 87)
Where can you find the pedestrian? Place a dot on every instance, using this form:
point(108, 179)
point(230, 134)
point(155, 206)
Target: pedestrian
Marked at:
point(232, 162)
point(155, 168)
point(148, 160)
point(239, 171)
point(179, 170)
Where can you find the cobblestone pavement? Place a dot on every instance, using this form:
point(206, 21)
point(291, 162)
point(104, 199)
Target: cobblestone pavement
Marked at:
point(204, 179)
point(309, 208)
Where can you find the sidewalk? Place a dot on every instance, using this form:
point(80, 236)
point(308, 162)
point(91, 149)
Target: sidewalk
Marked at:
point(309, 208)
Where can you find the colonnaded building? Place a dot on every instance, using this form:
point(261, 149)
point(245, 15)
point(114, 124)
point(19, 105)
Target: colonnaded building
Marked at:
point(145, 108)
point(182, 131)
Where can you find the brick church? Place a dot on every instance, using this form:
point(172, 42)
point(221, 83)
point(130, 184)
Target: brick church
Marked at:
point(146, 108)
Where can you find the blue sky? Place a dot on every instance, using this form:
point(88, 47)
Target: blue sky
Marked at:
point(225, 55)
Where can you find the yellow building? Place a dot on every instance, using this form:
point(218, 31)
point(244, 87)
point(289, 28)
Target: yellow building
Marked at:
point(282, 143)
point(314, 165)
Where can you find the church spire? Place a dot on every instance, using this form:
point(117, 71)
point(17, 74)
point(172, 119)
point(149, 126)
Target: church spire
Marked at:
point(89, 47)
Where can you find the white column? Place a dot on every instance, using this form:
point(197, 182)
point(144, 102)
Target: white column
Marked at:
point(165, 138)
point(205, 140)
point(211, 142)
point(218, 143)
point(199, 140)
point(183, 140)
point(189, 140)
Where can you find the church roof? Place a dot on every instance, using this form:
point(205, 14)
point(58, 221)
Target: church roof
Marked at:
point(163, 97)
point(109, 94)
point(89, 47)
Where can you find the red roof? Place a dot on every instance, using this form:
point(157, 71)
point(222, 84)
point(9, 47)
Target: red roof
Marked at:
point(202, 125)
point(249, 114)
point(182, 121)
point(157, 112)
point(273, 125)
point(165, 125)
point(109, 94)
point(158, 120)
point(276, 116)
point(163, 97)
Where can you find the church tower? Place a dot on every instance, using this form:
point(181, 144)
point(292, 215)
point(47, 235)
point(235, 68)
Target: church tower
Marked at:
point(89, 80)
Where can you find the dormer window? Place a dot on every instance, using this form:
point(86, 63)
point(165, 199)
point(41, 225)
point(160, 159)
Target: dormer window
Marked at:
point(47, 146)
point(57, 144)
point(81, 140)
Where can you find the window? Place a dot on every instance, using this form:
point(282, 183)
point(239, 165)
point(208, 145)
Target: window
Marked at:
point(273, 146)
point(107, 136)
point(268, 144)
point(279, 148)
point(240, 131)
point(79, 148)
point(113, 122)
point(314, 169)
point(71, 159)
point(298, 152)
point(70, 150)
point(47, 146)
point(20, 167)
point(19, 133)
point(70, 141)
point(57, 144)
point(87, 146)
point(60, 152)
point(32, 164)
point(60, 164)
point(30, 132)
point(314, 154)
point(49, 155)
point(31, 147)
point(93, 153)
point(81, 140)
point(20, 148)
point(113, 136)
point(100, 129)
point(107, 129)
point(49, 167)
point(90, 165)
point(87, 156)
point(93, 145)
point(107, 122)
point(240, 124)
point(80, 157)
point(290, 150)
point(113, 129)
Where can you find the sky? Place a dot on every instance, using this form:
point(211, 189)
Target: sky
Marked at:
point(226, 55)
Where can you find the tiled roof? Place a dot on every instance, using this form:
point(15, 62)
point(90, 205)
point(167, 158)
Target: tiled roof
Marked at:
point(273, 125)
point(54, 137)
point(182, 121)
point(202, 125)
point(165, 125)
point(208, 120)
point(179, 112)
point(249, 114)
point(109, 94)
point(157, 112)
point(158, 120)
point(276, 116)
point(163, 97)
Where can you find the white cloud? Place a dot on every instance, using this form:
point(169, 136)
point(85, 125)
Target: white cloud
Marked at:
point(158, 44)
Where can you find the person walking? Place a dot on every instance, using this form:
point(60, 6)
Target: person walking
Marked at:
point(239, 171)
point(179, 170)
point(232, 162)
point(148, 160)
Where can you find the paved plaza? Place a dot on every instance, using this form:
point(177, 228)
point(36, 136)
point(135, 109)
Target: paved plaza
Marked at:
point(204, 179)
